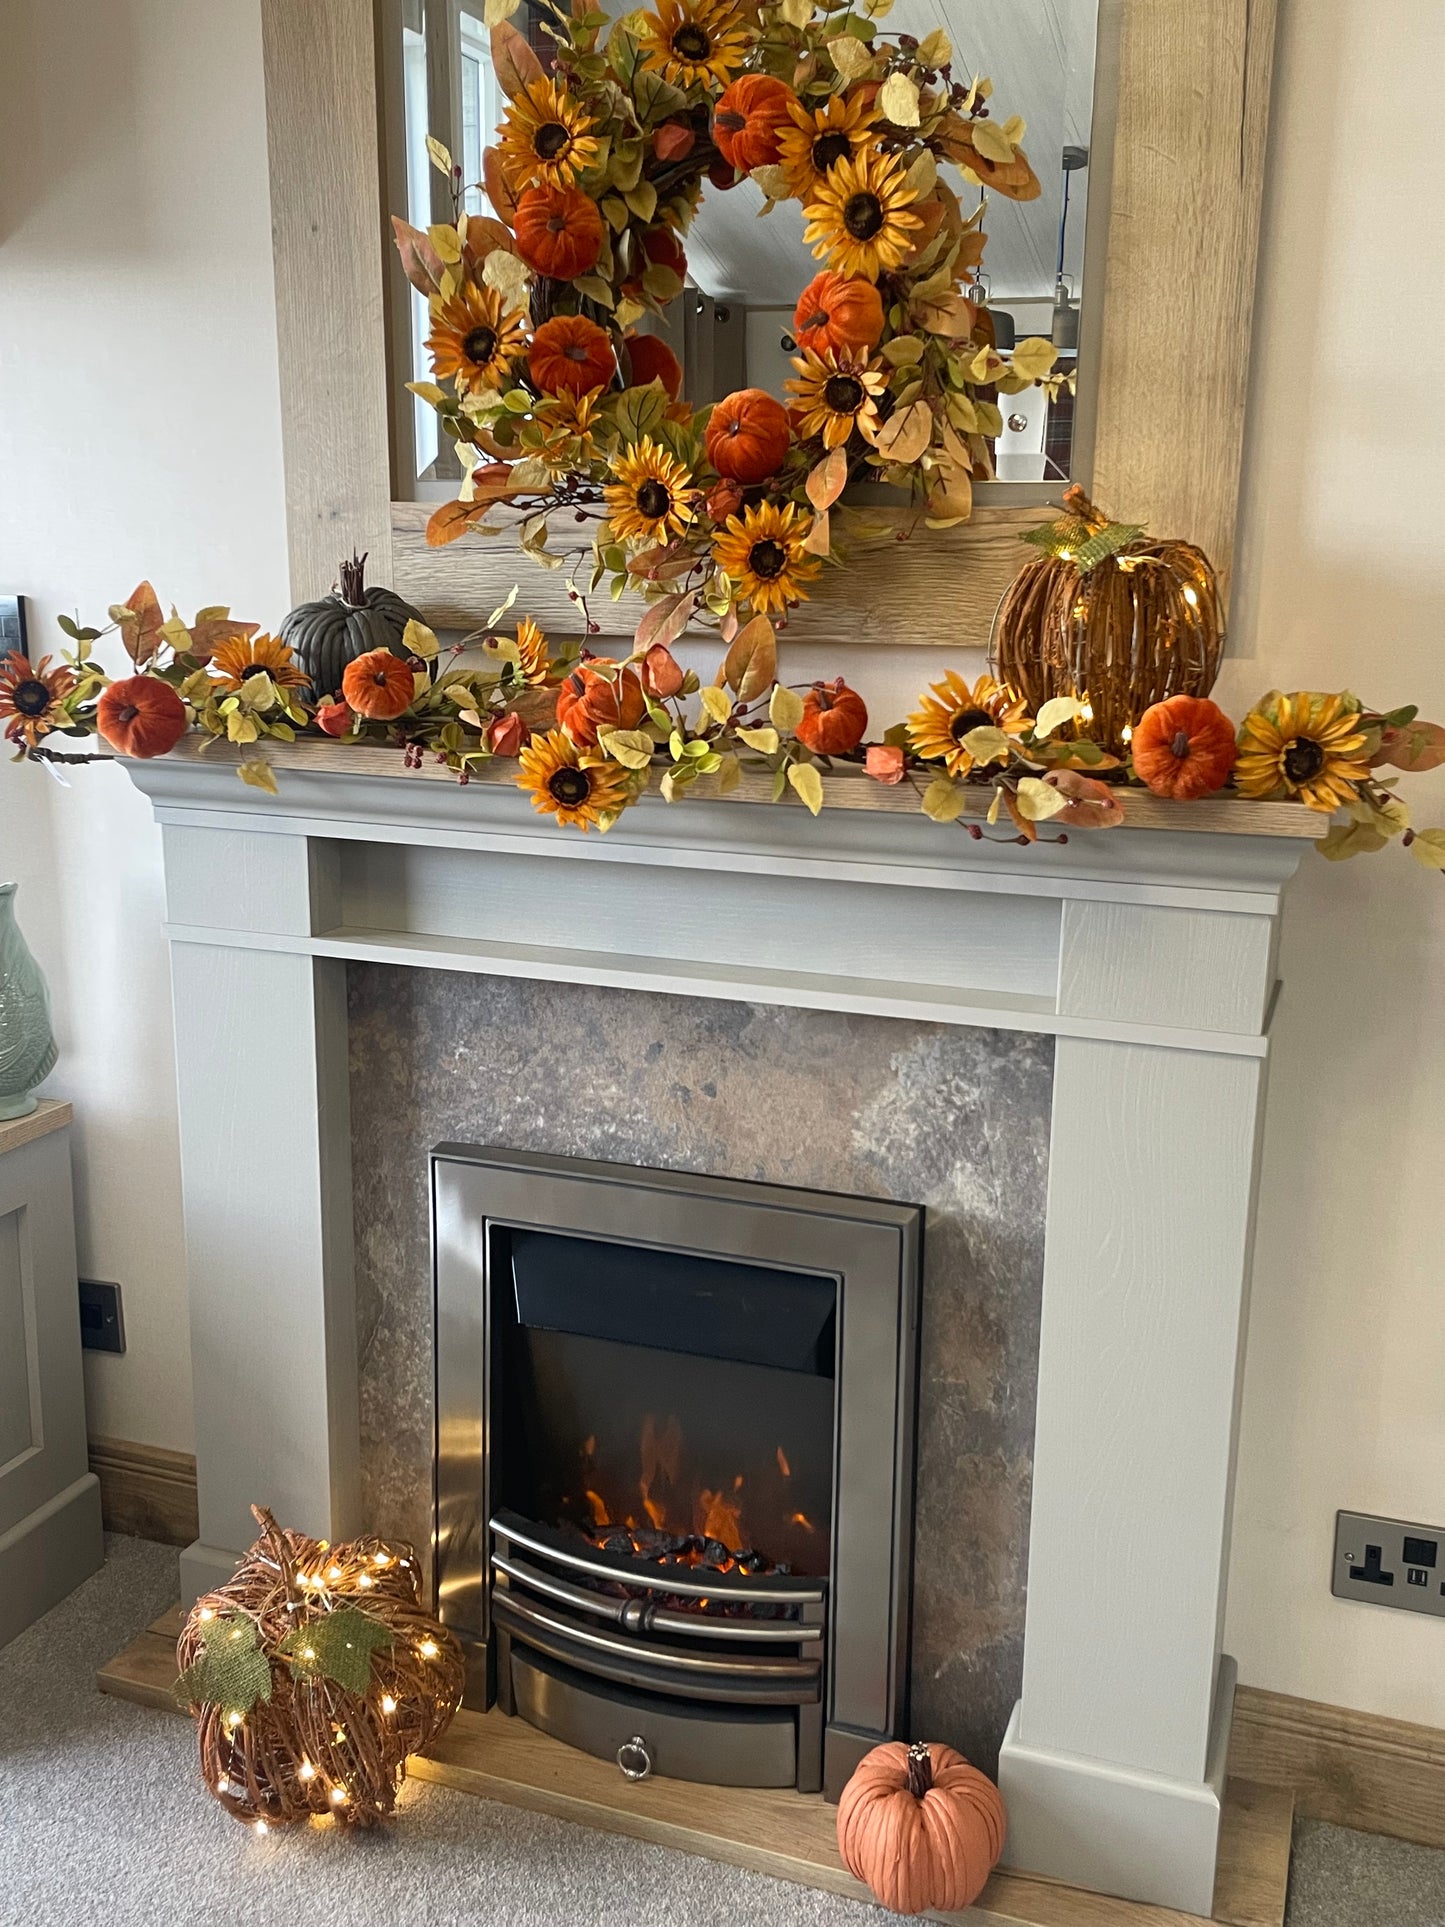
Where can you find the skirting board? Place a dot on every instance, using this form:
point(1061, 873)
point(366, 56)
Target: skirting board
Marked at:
point(146, 1490)
point(1354, 1769)
point(790, 1836)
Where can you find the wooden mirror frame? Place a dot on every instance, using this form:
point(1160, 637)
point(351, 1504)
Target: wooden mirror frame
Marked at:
point(1182, 197)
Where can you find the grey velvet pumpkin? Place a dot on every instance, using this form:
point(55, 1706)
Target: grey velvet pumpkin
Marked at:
point(327, 634)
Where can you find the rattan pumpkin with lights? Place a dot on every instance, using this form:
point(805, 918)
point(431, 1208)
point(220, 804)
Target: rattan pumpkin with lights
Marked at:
point(1108, 613)
point(312, 1675)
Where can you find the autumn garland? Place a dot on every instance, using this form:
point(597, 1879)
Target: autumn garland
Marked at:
point(588, 733)
point(563, 410)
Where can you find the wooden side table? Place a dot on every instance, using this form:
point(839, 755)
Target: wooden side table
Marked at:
point(50, 1536)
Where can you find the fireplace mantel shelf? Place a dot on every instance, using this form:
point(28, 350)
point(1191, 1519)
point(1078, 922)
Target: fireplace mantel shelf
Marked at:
point(1148, 952)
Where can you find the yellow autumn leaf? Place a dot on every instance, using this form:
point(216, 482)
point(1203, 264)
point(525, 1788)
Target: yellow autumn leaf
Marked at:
point(943, 800)
point(1057, 711)
point(444, 239)
point(495, 11)
point(631, 747)
point(440, 156)
point(935, 49)
point(850, 57)
point(785, 707)
point(898, 102)
point(1038, 801)
point(808, 784)
point(991, 141)
point(797, 13)
point(259, 775)
point(763, 740)
point(987, 745)
point(1428, 847)
point(1033, 357)
point(418, 640)
point(1351, 839)
point(716, 703)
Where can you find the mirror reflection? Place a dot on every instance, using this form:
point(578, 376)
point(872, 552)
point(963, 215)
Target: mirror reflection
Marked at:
point(746, 258)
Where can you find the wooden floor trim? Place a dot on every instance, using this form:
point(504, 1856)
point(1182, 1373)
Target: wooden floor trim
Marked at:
point(146, 1490)
point(787, 1835)
point(1354, 1769)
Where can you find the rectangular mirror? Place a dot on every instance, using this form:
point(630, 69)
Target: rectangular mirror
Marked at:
point(732, 325)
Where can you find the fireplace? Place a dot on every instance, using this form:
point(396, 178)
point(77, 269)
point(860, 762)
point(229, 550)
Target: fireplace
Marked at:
point(675, 1461)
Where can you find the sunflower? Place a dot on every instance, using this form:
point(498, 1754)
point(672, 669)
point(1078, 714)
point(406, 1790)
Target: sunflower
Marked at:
point(652, 499)
point(235, 662)
point(820, 137)
point(836, 394)
point(1305, 746)
point(534, 660)
point(33, 696)
point(859, 218)
point(694, 40)
point(546, 139)
point(474, 338)
point(951, 709)
point(762, 551)
point(576, 787)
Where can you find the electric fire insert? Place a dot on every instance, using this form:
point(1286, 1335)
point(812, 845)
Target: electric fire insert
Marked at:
point(675, 1461)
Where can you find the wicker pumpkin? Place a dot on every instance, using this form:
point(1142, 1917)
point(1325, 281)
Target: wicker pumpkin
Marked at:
point(1184, 747)
point(558, 232)
point(588, 701)
point(748, 119)
point(325, 636)
point(838, 313)
point(571, 352)
point(1141, 624)
point(833, 720)
point(747, 435)
point(921, 1827)
point(141, 716)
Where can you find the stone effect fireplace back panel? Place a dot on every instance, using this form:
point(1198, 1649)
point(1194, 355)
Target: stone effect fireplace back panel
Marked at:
point(950, 1118)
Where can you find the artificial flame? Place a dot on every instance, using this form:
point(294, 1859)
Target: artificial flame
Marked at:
point(783, 1466)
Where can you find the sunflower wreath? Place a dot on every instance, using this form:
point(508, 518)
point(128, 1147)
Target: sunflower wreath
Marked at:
point(563, 405)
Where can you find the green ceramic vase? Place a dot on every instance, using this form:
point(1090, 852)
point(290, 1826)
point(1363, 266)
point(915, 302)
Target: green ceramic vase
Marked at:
point(27, 1043)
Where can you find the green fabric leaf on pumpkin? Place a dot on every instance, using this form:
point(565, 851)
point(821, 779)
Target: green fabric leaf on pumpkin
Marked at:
point(232, 1671)
point(337, 1646)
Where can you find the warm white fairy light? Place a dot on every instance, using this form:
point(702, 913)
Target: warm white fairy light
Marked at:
point(1191, 598)
point(308, 1652)
point(388, 1704)
point(1127, 733)
point(223, 1785)
point(338, 1796)
point(380, 1559)
point(365, 1581)
point(233, 1719)
point(336, 1572)
point(208, 1612)
point(428, 1649)
point(306, 1771)
point(261, 1827)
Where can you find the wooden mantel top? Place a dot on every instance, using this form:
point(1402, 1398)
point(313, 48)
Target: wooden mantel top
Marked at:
point(846, 788)
point(48, 1115)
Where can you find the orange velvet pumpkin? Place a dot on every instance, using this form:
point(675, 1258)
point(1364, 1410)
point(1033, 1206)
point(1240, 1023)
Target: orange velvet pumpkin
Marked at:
point(921, 1827)
point(833, 720)
point(1184, 747)
point(378, 685)
point(838, 312)
point(559, 231)
point(569, 351)
point(141, 716)
point(748, 119)
point(652, 360)
point(587, 702)
point(747, 435)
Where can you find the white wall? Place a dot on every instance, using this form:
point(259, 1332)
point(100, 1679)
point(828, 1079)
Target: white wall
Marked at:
point(139, 434)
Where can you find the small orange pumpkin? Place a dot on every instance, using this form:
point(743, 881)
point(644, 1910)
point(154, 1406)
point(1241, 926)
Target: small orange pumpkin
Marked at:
point(747, 435)
point(1184, 747)
point(559, 231)
point(569, 351)
point(748, 119)
point(378, 685)
point(833, 720)
point(141, 716)
point(652, 360)
point(587, 702)
point(838, 313)
point(921, 1827)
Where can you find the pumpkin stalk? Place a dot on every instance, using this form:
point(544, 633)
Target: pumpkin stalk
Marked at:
point(353, 581)
point(920, 1769)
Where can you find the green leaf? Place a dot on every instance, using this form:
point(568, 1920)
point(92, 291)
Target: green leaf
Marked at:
point(231, 1670)
point(808, 784)
point(639, 410)
point(1352, 839)
point(337, 1646)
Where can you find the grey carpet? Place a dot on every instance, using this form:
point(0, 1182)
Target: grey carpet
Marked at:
point(103, 1820)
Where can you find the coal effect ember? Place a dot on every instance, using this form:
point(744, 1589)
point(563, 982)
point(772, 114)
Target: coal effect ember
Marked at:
point(694, 1551)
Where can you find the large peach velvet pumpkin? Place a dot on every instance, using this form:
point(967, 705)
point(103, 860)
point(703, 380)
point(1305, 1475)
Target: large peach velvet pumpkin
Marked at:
point(921, 1827)
point(571, 352)
point(1184, 747)
point(559, 231)
point(141, 716)
point(748, 119)
point(747, 435)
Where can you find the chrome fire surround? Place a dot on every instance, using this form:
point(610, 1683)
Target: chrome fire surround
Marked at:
point(809, 1691)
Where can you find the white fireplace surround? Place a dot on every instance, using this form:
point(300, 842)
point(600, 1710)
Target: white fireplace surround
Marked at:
point(1148, 953)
